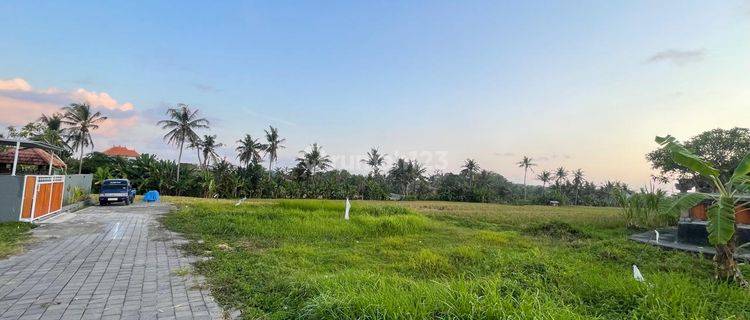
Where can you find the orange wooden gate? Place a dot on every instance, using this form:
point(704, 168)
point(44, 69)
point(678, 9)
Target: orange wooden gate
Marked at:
point(42, 195)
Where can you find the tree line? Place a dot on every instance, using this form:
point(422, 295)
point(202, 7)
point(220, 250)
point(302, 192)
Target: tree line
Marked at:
point(311, 177)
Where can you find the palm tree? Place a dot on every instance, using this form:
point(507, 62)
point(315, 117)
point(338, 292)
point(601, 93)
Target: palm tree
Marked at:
point(80, 121)
point(375, 160)
point(198, 146)
point(314, 160)
point(560, 174)
point(399, 173)
point(182, 124)
point(525, 163)
point(406, 172)
point(208, 148)
point(545, 177)
point(414, 172)
point(52, 130)
point(273, 146)
point(470, 168)
point(53, 122)
point(249, 150)
point(578, 181)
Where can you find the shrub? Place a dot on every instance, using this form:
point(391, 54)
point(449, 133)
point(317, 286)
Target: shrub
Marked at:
point(641, 210)
point(77, 194)
point(557, 230)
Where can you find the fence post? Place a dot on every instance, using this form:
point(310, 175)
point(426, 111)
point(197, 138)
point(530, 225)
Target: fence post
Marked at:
point(15, 158)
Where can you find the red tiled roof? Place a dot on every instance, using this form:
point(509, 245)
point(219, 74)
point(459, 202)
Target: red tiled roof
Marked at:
point(33, 156)
point(120, 151)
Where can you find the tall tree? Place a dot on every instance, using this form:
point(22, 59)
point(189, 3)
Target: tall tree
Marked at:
point(399, 174)
point(198, 146)
point(51, 131)
point(375, 160)
point(723, 147)
point(470, 168)
point(249, 150)
point(525, 163)
point(404, 173)
point(52, 122)
point(578, 180)
point(208, 148)
point(545, 177)
point(560, 175)
point(182, 123)
point(314, 160)
point(273, 146)
point(80, 120)
point(415, 172)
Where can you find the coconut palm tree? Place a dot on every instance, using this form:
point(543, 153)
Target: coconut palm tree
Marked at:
point(470, 168)
point(578, 180)
point(375, 160)
point(198, 146)
point(525, 163)
point(182, 123)
point(249, 150)
point(52, 122)
point(51, 131)
point(404, 173)
point(208, 148)
point(273, 146)
point(399, 174)
point(414, 172)
point(80, 120)
point(560, 175)
point(545, 177)
point(314, 160)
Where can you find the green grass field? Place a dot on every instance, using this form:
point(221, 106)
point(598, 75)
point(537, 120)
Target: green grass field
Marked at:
point(12, 235)
point(301, 259)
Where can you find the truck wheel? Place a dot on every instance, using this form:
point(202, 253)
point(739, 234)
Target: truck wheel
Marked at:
point(102, 203)
point(127, 201)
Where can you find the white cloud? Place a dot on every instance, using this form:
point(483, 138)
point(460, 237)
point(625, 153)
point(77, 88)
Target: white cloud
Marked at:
point(20, 103)
point(15, 84)
point(100, 99)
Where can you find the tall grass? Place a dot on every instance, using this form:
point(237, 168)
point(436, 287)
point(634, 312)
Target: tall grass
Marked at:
point(302, 260)
point(643, 209)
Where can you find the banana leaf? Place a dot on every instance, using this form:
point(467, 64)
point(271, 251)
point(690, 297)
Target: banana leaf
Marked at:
point(720, 225)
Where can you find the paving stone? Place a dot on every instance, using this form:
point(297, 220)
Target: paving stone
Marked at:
point(110, 262)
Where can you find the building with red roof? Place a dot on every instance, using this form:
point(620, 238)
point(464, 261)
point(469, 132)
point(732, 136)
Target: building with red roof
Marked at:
point(120, 151)
point(31, 156)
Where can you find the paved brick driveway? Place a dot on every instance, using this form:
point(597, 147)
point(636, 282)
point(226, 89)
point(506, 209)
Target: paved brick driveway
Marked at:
point(110, 262)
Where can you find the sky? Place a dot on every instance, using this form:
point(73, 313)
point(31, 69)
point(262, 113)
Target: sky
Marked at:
point(577, 84)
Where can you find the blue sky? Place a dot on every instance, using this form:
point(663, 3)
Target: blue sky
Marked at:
point(585, 84)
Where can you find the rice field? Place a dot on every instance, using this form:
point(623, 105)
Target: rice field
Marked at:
point(425, 260)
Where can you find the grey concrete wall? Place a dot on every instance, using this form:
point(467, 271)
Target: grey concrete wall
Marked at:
point(72, 181)
point(11, 189)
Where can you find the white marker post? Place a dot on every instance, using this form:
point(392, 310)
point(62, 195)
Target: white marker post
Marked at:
point(348, 206)
point(637, 274)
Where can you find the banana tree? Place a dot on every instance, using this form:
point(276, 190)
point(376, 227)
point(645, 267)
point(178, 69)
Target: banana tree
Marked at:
point(721, 225)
